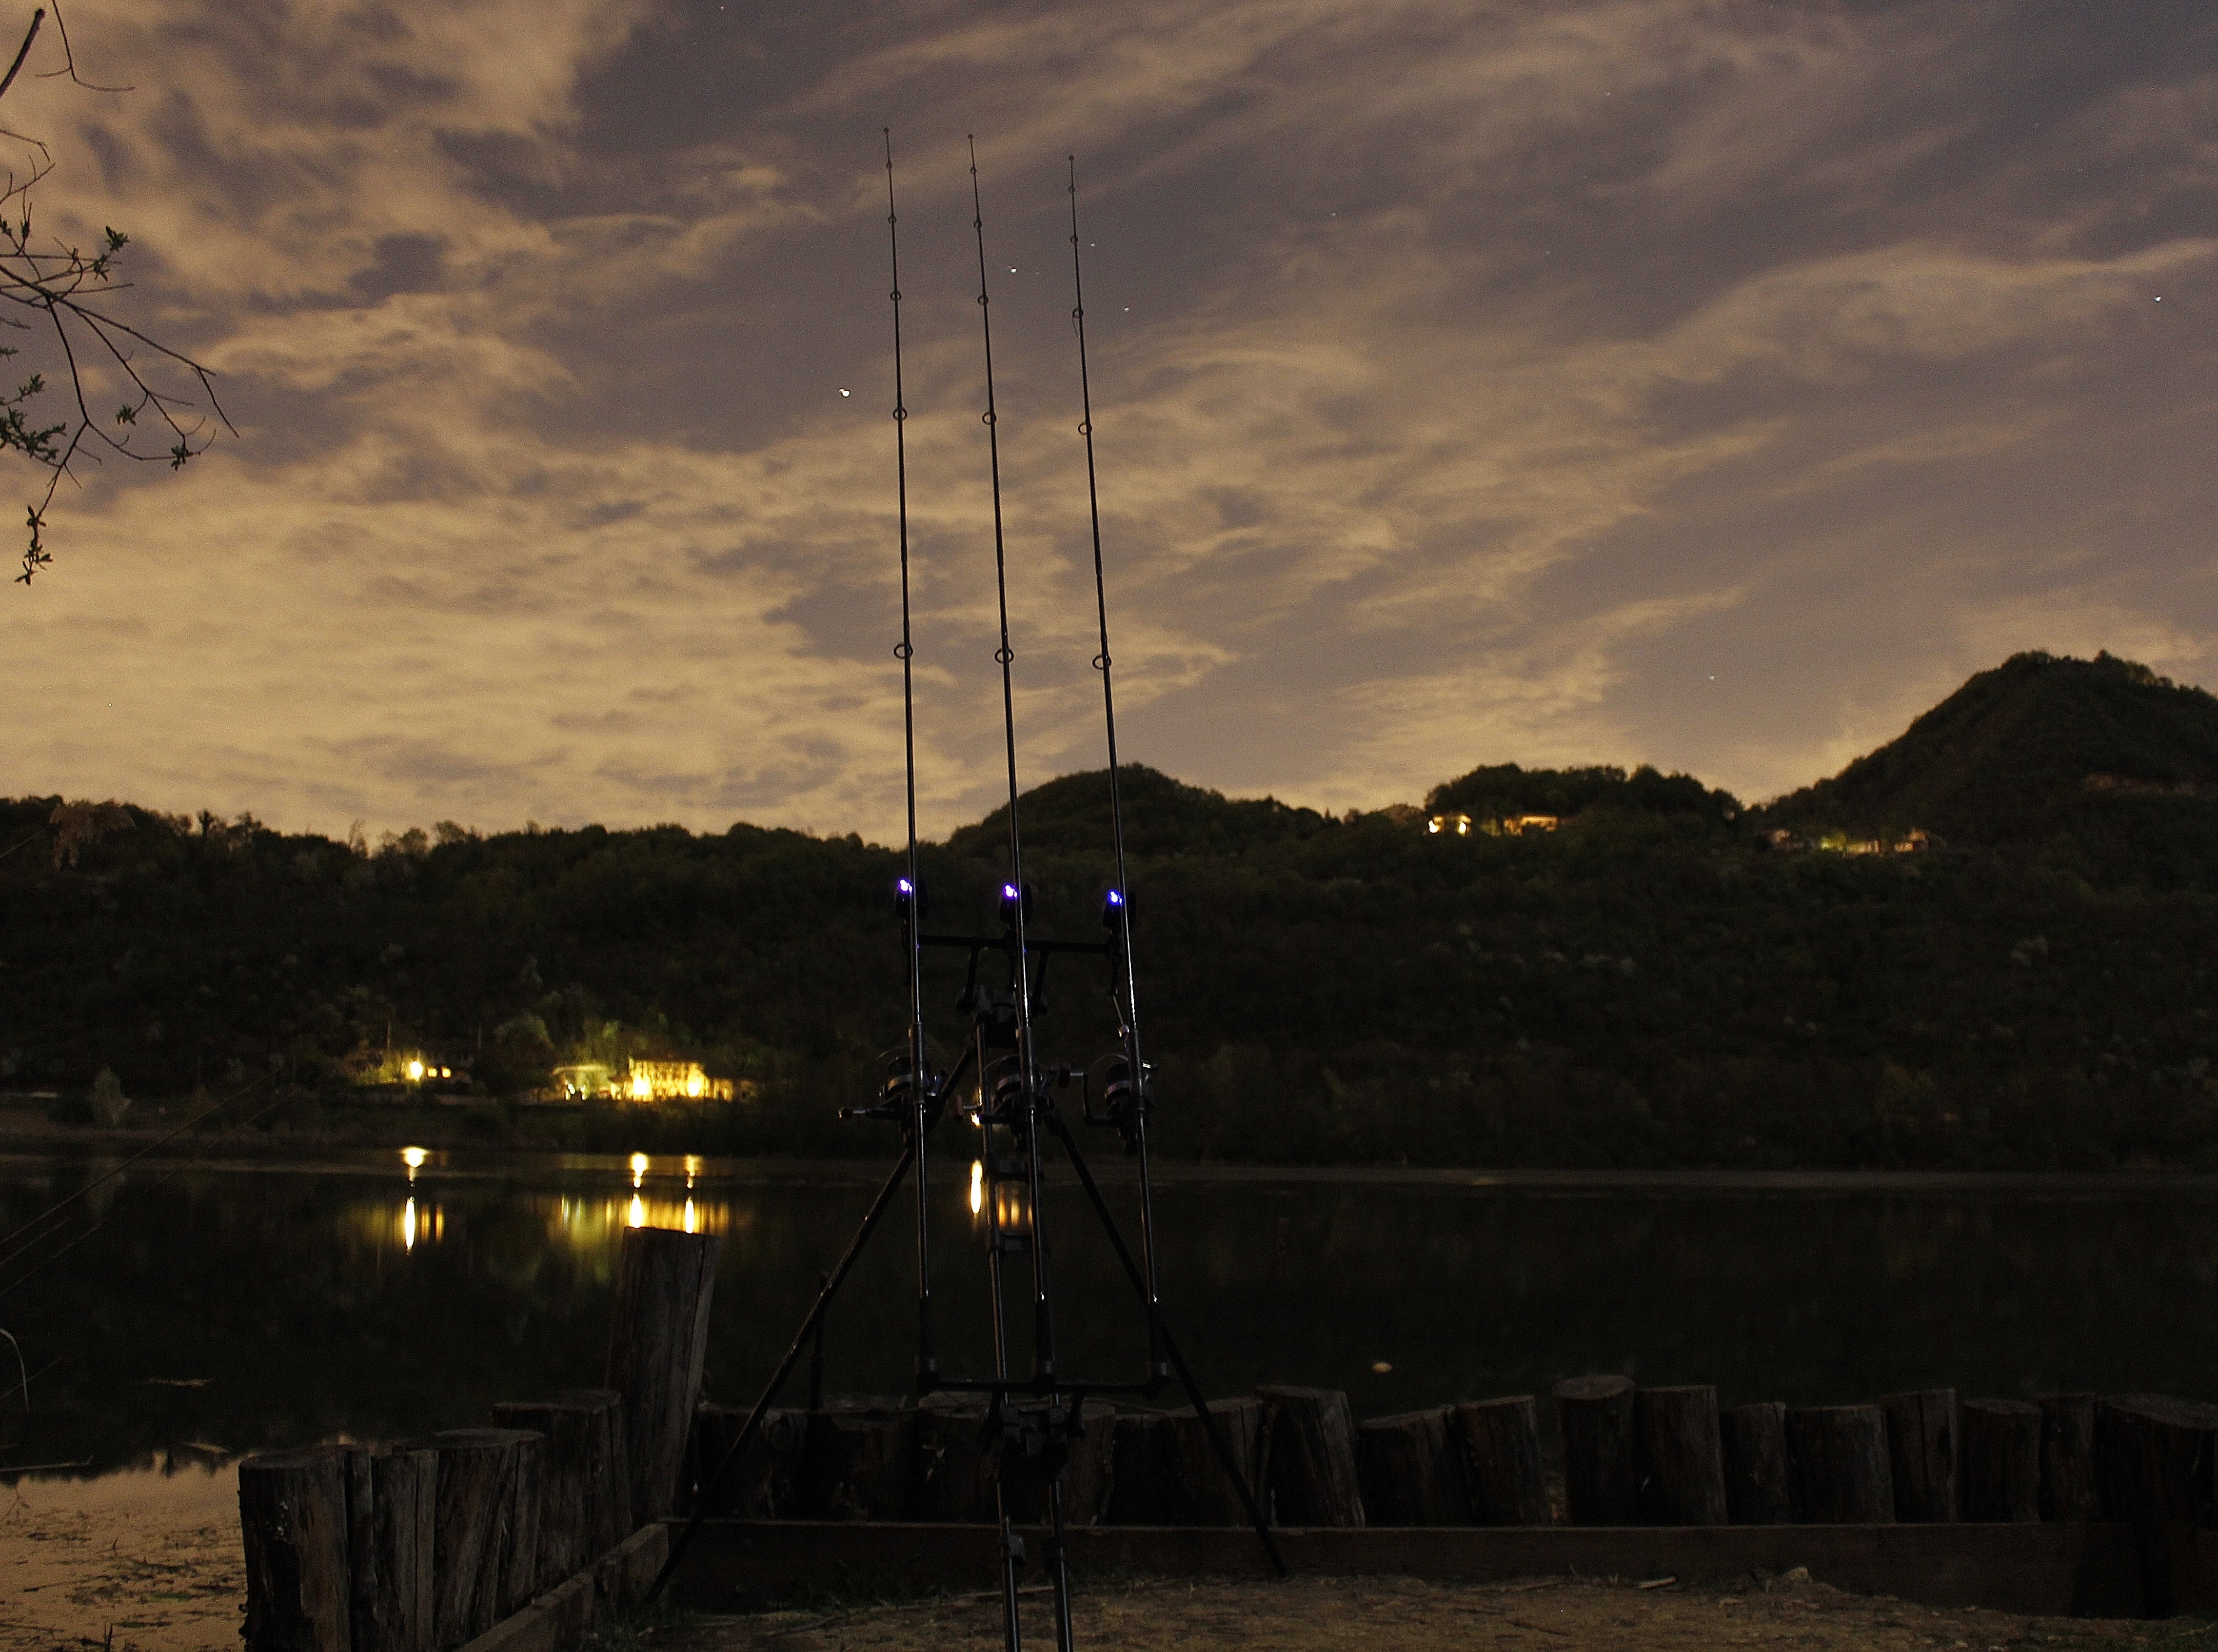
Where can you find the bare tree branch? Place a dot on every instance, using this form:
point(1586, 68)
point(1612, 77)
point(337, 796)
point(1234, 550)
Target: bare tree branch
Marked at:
point(61, 283)
point(24, 50)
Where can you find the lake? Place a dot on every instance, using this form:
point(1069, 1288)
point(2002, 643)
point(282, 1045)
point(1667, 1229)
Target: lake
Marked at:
point(224, 1308)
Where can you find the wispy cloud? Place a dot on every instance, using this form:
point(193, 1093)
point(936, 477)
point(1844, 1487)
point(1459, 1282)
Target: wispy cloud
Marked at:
point(1688, 382)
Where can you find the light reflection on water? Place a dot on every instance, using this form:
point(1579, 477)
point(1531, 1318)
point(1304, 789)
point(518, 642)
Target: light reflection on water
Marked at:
point(245, 1307)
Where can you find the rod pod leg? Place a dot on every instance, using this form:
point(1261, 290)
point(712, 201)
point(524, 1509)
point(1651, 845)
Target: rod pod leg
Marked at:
point(800, 1341)
point(1161, 1327)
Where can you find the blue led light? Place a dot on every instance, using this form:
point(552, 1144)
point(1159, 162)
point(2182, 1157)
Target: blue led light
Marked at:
point(905, 886)
point(1009, 891)
point(1116, 898)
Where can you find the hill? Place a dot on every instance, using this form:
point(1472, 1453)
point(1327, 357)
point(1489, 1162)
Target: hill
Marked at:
point(2100, 754)
point(1650, 982)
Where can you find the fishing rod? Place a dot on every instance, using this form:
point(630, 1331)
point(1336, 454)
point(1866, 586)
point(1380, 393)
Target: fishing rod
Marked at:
point(909, 891)
point(1126, 1107)
point(1019, 1113)
point(1003, 1085)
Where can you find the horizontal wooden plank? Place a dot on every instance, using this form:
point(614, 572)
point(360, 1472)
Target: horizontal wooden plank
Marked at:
point(2057, 1568)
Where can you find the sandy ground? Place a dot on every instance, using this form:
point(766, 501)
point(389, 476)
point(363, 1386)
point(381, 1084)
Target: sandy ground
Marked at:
point(1402, 1615)
point(149, 1562)
point(148, 1558)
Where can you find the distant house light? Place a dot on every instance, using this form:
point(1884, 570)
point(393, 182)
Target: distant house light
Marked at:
point(671, 1081)
point(415, 1072)
point(1448, 825)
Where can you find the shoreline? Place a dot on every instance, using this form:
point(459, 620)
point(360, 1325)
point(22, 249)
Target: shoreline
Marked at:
point(349, 1152)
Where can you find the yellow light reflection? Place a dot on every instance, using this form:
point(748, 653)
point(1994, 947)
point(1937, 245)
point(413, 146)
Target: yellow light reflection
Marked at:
point(638, 1168)
point(408, 1227)
point(977, 1186)
point(692, 1218)
point(637, 1217)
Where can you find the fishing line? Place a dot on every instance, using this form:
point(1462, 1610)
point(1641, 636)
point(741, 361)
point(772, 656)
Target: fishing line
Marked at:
point(214, 1109)
point(37, 1268)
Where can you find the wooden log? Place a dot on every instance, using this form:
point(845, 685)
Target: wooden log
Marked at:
point(1499, 1441)
point(1196, 1490)
point(858, 1462)
point(657, 1338)
point(954, 1479)
point(607, 1518)
point(293, 1521)
point(1678, 1456)
point(475, 1539)
point(1312, 1456)
point(1092, 1480)
point(573, 1462)
point(1138, 1446)
point(765, 1484)
point(1838, 1472)
point(392, 1521)
point(1999, 1460)
point(1754, 1439)
point(2068, 1488)
point(2169, 1477)
point(1921, 1444)
point(1411, 1470)
point(1595, 1414)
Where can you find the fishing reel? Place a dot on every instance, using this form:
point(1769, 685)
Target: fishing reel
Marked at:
point(900, 1089)
point(1124, 1105)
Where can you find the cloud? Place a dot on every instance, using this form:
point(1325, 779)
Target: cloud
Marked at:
point(1687, 382)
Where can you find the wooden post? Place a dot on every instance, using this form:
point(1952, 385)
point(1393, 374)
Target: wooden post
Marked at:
point(2001, 1460)
point(1499, 1441)
point(392, 1519)
point(2067, 1457)
point(1678, 1457)
point(858, 1462)
point(573, 1466)
point(1312, 1456)
point(1138, 1444)
point(658, 1338)
point(2170, 1478)
point(954, 1477)
point(765, 1484)
point(1195, 1488)
point(292, 1519)
point(480, 1473)
point(1596, 1415)
point(1753, 1438)
point(1411, 1472)
point(1838, 1472)
point(1921, 1443)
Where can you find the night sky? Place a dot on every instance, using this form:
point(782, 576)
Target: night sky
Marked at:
point(1712, 385)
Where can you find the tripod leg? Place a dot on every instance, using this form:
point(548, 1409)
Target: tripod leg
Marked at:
point(800, 1341)
point(1058, 1564)
point(1013, 1560)
point(1161, 1328)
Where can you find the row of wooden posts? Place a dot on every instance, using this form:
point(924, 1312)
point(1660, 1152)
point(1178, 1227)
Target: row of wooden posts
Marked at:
point(1630, 1455)
point(424, 1545)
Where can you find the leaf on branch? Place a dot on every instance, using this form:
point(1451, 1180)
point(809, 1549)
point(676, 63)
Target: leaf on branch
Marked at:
point(126, 416)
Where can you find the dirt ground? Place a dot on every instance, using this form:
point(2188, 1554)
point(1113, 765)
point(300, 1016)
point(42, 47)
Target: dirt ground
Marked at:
point(145, 1562)
point(150, 1563)
point(1402, 1615)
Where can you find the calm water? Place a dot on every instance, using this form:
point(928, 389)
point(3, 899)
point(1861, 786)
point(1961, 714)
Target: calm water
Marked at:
point(240, 1306)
